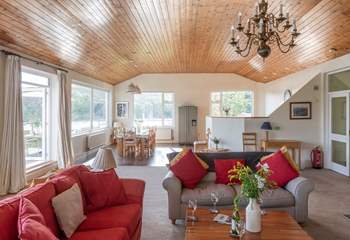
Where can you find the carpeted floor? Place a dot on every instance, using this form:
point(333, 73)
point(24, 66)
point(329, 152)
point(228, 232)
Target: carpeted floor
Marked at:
point(327, 205)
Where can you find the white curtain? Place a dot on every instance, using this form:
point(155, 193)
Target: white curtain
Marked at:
point(12, 160)
point(65, 149)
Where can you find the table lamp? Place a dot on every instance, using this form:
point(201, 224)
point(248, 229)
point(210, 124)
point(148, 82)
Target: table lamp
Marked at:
point(267, 127)
point(104, 159)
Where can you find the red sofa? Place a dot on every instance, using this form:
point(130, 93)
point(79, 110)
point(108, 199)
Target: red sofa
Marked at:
point(122, 222)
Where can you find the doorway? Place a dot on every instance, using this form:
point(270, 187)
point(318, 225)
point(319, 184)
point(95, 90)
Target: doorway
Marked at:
point(339, 121)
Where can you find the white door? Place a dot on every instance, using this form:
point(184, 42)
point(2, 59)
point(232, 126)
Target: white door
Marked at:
point(339, 132)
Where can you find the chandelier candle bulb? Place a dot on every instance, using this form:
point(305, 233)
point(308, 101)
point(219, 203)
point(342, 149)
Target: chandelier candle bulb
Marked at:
point(261, 25)
point(281, 9)
point(239, 18)
point(294, 25)
point(257, 9)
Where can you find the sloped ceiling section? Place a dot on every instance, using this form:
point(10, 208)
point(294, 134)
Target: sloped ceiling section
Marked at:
point(114, 40)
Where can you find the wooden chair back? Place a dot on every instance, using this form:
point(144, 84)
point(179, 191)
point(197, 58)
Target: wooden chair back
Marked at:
point(249, 140)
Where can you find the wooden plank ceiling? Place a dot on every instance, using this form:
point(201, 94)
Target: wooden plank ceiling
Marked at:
point(114, 40)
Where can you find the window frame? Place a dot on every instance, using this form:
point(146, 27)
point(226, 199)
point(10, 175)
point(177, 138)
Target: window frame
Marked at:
point(220, 102)
point(48, 113)
point(162, 110)
point(108, 105)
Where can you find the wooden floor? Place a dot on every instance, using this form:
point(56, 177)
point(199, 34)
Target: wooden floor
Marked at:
point(158, 158)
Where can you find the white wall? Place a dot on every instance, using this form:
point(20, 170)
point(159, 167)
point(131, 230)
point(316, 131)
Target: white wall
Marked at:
point(228, 130)
point(189, 89)
point(274, 90)
point(309, 132)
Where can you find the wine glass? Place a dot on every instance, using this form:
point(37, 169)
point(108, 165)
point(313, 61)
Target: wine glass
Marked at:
point(240, 229)
point(237, 228)
point(214, 196)
point(263, 211)
point(192, 204)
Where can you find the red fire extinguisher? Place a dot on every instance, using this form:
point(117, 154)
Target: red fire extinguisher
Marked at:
point(316, 157)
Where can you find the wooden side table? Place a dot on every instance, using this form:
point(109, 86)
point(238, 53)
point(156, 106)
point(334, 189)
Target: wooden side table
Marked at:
point(214, 150)
point(290, 144)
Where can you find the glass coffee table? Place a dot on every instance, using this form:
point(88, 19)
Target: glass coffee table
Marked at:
point(276, 225)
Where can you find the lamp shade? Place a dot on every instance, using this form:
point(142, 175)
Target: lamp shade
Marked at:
point(132, 88)
point(266, 126)
point(104, 159)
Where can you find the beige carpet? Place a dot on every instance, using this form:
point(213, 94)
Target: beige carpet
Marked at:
point(328, 204)
point(156, 225)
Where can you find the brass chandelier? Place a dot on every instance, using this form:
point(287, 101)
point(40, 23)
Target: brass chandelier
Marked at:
point(262, 30)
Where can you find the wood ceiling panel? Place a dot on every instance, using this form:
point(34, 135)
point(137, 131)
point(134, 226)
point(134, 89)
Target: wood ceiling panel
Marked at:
point(114, 40)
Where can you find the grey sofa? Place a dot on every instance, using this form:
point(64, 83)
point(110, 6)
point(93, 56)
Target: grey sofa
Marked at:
point(292, 198)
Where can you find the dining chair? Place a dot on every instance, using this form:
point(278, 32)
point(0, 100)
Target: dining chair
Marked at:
point(249, 140)
point(129, 144)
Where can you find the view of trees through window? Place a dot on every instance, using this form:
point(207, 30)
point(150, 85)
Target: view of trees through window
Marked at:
point(154, 109)
point(35, 91)
point(235, 103)
point(89, 109)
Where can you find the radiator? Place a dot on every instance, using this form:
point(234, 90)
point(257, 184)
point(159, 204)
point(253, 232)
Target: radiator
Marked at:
point(96, 140)
point(164, 134)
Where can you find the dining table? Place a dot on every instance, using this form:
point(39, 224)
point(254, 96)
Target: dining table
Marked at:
point(141, 138)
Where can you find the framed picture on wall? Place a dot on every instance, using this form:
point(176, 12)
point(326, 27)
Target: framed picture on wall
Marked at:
point(300, 110)
point(122, 109)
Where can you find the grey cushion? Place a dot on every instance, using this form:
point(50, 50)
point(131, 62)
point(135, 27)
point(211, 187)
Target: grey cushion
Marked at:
point(202, 194)
point(276, 198)
point(251, 158)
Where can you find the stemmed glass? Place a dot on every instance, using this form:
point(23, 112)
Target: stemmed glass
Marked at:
point(214, 196)
point(192, 204)
point(239, 230)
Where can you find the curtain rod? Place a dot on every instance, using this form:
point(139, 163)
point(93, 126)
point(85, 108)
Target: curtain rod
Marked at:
point(37, 62)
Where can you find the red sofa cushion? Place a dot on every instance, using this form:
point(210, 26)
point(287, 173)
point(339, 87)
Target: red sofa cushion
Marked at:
point(102, 234)
point(31, 223)
point(62, 183)
point(189, 170)
point(222, 166)
point(282, 171)
point(102, 189)
point(40, 196)
point(134, 190)
point(127, 216)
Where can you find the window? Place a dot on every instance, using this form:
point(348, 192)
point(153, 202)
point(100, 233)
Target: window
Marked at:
point(238, 103)
point(154, 109)
point(35, 102)
point(89, 109)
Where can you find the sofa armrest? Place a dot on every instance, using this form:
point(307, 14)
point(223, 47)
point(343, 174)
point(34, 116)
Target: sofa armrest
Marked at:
point(300, 187)
point(174, 188)
point(134, 190)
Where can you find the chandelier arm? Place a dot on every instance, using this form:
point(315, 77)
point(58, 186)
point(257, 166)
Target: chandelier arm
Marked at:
point(280, 44)
point(279, 40)
point(275, 21)
point(250, 47)
point(248, 44)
